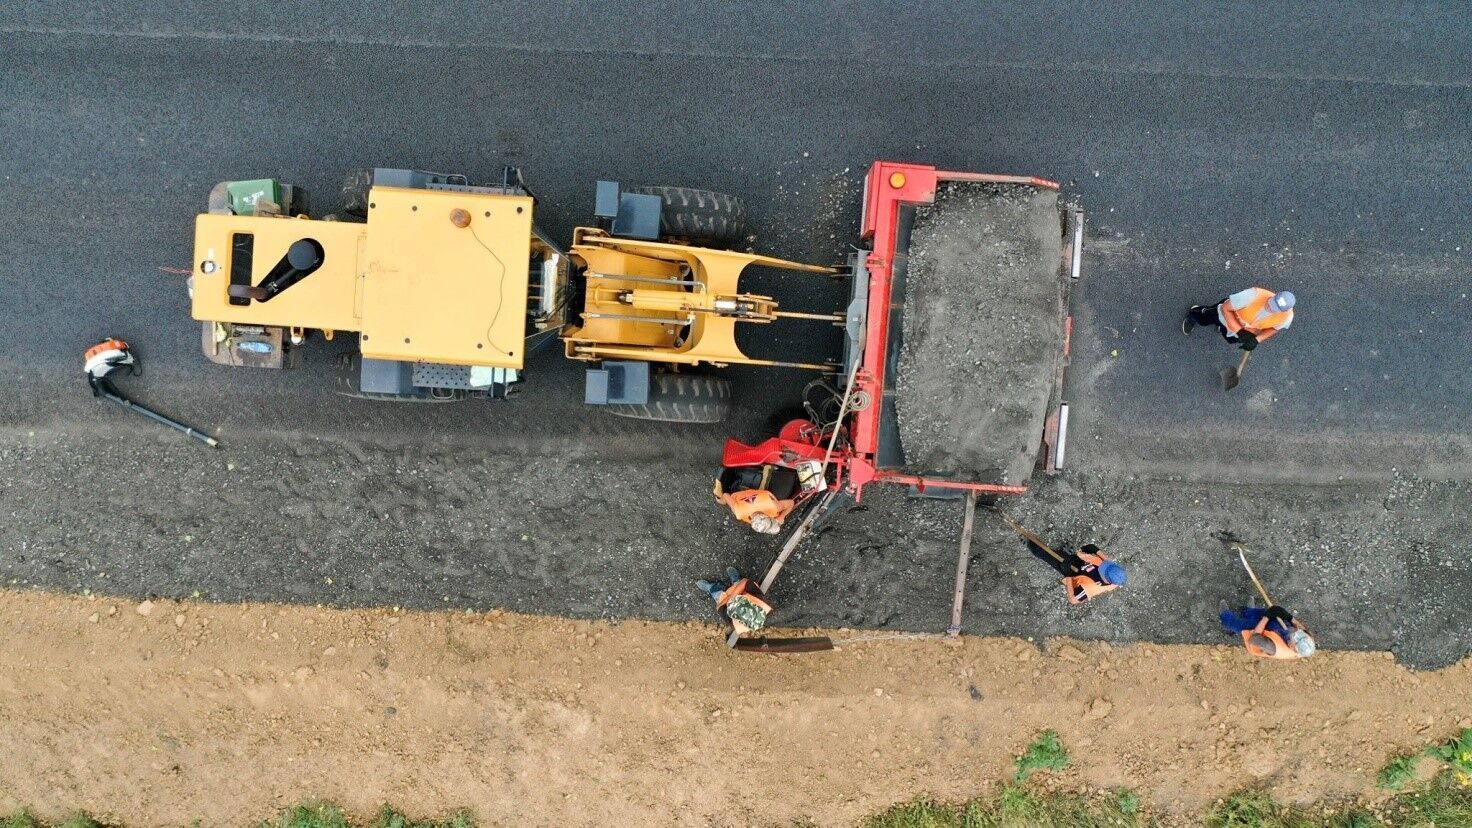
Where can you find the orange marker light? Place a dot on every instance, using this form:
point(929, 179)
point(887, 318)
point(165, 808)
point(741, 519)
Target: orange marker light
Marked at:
point(896, 180)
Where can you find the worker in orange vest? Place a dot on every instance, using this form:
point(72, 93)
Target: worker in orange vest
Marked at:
point(1246, 318)
point(741, 605)
point(757, 507)
point(762, 496)
point(1087, 573)
point(1270, 633)
point(1096, 574)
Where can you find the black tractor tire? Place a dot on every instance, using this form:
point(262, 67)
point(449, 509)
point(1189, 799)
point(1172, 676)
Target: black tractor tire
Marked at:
point(699, 216)
point(355, 193)
point(681, 398)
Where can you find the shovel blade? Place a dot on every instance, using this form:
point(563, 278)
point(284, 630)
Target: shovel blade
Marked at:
point(1228, 537)
point(1232, 376)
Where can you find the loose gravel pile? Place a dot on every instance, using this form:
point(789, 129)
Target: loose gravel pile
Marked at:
point(983, 331)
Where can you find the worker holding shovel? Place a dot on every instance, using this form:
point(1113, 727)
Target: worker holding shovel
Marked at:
point(1087, 573)
point(1270, 633)
point(1267, 633)
point(1246, 319)
point(741, 605)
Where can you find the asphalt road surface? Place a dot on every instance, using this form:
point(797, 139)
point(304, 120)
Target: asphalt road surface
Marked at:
point(1321, 150)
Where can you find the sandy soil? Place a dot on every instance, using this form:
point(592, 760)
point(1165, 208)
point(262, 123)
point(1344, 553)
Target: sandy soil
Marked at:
point(163, 712)
point(983, 331)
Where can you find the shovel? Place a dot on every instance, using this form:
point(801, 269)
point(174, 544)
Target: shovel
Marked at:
point(1261, 590)
point(1232, 376)
point(1235, 544)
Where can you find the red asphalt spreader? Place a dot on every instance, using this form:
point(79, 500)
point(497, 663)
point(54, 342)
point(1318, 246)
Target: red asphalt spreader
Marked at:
point(957, 338)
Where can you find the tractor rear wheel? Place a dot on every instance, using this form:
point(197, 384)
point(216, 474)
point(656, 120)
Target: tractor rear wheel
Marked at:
point(699, 216)
point(681, 398)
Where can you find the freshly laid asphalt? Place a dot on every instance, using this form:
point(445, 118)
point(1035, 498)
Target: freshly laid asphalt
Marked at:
point(1303, 147)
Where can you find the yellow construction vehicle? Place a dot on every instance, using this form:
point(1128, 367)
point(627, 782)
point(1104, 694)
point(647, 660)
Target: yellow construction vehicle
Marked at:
point(448, 285)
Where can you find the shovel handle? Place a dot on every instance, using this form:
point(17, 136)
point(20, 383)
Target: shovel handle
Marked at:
point(1261, 590)
point(1030, 537)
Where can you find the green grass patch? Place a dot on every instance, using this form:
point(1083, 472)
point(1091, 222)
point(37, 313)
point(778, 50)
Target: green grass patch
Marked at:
point(327, 815)
point(309, 815)
point(305, 815)
point(389, 818)
point(922, 813)
point(1457, 754)
point(1252, 809)
point(1015, 807)
point(1128, 802)
point(1443, 804)
point(1045, 753)
point(24, 819)
point(1399, 771)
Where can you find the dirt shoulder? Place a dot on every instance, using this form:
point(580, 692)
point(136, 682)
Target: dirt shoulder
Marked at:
point(224, 712)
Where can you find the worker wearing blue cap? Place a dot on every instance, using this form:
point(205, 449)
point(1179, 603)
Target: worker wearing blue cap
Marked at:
point(1092, 574)
point(1087, 573)
point(1246, 318)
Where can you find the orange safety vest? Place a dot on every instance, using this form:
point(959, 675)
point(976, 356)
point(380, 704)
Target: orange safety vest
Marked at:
point(1084, 587)
point(749, 502)
point(1255, 317)
point(103, 347)
point(742, 588)
point(1265, 643)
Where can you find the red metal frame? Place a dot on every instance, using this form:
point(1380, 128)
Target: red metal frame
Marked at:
point(799, 440)
point(887, 187)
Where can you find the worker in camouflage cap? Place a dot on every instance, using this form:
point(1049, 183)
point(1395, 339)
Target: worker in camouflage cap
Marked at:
point(741, 605)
